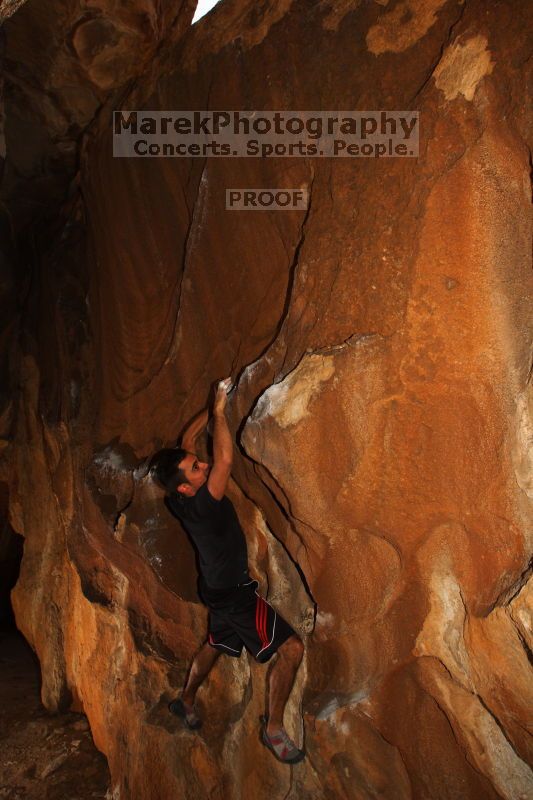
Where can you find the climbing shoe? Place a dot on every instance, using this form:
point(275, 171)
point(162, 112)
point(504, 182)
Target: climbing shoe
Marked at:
point(281, 745)
point(186, 713)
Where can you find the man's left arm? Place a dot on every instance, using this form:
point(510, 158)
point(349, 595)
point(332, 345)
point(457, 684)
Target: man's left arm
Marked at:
point(193, 431)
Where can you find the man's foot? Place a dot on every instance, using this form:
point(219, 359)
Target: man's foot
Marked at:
point(281, 744)
point(186, 713)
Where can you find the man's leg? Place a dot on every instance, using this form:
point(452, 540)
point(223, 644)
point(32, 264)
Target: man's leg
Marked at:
point(200, 668)
point(183, 706)
point(289, 656)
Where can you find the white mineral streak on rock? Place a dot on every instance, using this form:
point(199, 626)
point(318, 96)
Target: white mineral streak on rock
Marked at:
point(523, 450)
point(344, 728)
point(109, 459)
point(288, 402)
point(249, 371)
point(324, 619)
point(341, 702)
point(442, 632)
point(462, 67)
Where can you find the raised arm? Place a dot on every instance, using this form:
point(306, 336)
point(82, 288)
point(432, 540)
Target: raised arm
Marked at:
point(193, 431)
point(222, 445)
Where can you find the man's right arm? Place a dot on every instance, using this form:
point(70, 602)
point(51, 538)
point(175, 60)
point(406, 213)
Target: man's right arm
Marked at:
point(222, 445)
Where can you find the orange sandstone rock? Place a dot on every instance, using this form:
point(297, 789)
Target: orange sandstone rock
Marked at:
point(380, 343)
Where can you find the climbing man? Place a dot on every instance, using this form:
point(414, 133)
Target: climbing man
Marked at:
point(238, 615)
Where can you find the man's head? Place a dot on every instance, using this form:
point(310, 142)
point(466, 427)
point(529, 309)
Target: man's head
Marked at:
point(178, 470)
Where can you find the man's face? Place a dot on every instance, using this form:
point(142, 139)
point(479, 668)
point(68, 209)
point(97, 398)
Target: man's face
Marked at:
point(196, 472)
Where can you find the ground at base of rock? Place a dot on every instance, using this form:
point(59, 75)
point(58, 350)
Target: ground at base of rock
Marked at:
point(42, 756)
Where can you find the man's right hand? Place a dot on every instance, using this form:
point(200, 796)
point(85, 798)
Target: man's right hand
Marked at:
point(221, 396)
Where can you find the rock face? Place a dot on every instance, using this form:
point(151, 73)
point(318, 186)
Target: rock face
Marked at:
point(381, 344)
point(61, 60)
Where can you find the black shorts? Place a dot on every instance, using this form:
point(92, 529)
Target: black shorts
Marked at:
point(241, 617)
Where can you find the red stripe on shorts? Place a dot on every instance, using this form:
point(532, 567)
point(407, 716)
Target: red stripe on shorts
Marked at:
point(265, 620)
point(260, 620)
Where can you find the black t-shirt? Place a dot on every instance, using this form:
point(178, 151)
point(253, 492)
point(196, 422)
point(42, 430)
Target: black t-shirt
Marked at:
point(215, 530)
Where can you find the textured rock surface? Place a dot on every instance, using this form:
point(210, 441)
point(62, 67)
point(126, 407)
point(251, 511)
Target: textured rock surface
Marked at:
point(61, 60)
point(382, 346)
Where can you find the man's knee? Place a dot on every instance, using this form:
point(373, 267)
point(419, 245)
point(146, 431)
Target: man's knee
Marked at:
point(293, 648)
point(206, 656)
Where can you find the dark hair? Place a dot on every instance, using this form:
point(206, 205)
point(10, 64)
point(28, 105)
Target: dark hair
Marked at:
point(164, 468)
